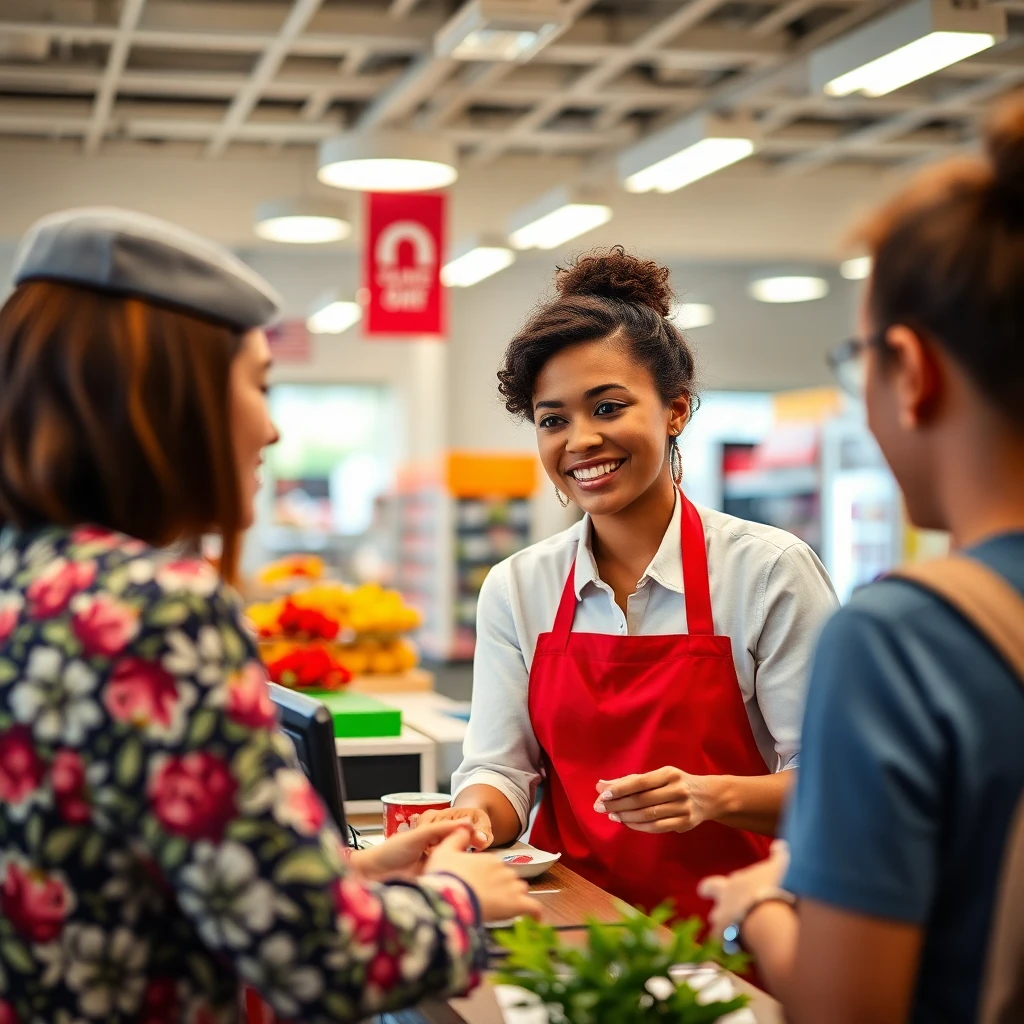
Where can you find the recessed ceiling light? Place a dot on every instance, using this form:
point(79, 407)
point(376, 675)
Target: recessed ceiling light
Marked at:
point(690, 315)
point(332, 315)
point(685, 152)
point(789, 288)
point(913, 41)
point(301, 222)
point(387, 162)
point(557, 217)
point(856, 269)
point(474, 260)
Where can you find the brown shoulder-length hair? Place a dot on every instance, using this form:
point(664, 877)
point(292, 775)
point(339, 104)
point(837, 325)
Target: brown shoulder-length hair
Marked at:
point(115, 411)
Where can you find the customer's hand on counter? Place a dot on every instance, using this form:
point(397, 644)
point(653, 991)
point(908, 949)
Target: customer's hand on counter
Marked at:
point(404, 854)
point(735, 895)
point(665, 800)
point(473, 817)
point(499, 890)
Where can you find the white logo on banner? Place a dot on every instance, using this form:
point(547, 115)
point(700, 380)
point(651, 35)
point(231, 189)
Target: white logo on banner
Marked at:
point(405, 288)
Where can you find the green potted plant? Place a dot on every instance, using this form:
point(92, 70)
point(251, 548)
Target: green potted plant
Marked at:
point(620, 975)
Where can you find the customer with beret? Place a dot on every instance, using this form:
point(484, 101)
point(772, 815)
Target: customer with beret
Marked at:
point(158, 842)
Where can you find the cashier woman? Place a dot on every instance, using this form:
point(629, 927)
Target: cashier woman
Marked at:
point(648, 664)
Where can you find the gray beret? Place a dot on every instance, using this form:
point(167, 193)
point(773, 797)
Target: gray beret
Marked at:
point(126, 253)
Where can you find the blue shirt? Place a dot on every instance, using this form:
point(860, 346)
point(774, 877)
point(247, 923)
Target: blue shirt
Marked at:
point(913, 761)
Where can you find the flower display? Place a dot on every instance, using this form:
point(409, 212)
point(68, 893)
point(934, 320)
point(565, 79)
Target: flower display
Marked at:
point(359, 629)
point(307, 667)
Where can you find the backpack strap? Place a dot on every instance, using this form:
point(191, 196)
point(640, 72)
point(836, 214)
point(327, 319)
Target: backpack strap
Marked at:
point(983, 597)
point(996, 609)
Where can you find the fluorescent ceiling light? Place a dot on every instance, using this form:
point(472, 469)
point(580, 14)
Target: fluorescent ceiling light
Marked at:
point(915, 41)
point(475, 260)
point(387, 162)
point(690, 315)
point(558, 216)
point(789, 288)
point(685, 152)
point(856, 269)
point(333, 316)
point(301, 222)
point(923, 57)
point(501, 30)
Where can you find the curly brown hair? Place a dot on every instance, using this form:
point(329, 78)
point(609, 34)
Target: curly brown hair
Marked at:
point(605, 293)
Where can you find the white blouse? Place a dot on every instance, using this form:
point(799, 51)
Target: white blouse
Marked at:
point(769, 594)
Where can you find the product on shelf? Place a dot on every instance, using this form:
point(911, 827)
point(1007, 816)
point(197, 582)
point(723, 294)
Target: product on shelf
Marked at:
point(291, 568)
point(360, 629)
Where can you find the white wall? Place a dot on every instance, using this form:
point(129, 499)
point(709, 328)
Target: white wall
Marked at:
point(447, 390)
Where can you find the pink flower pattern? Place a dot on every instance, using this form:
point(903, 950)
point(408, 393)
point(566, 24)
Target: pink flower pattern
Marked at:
point(173, 832)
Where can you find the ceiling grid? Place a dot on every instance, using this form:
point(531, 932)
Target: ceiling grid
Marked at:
point(220, 74)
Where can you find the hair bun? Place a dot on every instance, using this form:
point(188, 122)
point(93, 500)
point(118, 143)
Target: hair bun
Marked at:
point(615, 274)
point(1004, 141)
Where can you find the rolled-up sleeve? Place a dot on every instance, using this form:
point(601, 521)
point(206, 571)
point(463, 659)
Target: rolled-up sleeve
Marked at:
point(798, 601)
point(500, 749)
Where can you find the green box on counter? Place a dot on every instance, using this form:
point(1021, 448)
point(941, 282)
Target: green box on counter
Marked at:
point(357, 715)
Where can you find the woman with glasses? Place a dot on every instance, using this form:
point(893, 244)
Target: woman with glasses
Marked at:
point(649, 662)
point(913, 757)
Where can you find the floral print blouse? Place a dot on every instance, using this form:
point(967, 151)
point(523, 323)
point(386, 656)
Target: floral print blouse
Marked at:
point(158, 841)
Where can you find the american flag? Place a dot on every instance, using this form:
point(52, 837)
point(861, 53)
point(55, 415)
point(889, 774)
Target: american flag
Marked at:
point(290, 342)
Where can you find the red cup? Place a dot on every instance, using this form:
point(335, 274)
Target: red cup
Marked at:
point(402, 810)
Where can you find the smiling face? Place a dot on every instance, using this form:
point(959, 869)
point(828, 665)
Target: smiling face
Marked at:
point(602, 427)
point(252, 430)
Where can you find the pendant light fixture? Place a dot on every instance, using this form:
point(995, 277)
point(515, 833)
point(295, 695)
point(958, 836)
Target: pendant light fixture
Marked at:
point(387, 162)
point(301, 222)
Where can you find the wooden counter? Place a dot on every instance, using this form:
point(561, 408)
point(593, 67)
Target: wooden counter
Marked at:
point(571, 901)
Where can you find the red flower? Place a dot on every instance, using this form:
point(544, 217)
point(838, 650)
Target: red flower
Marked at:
point(104, 625)
point(141, 692)
point(194, 796)
point(35, 903)
point(298, 804)
point(383, 971)
point(67, 776)
point(49, 593)
point(21, 768)
point(160, 1004)
point(296, 621)
point(10, 610)
point(8, 1014)
point(95, 535)
point(360, 908)
point(249, 701)
point(309, 666)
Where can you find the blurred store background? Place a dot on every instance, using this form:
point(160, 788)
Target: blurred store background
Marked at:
point(735, 140)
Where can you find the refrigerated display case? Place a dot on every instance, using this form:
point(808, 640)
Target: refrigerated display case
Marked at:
point(862, 512)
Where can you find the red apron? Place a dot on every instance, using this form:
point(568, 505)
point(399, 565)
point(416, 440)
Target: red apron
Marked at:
point(604, 706)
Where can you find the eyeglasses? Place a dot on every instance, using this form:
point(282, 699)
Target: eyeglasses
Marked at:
point(846, 361)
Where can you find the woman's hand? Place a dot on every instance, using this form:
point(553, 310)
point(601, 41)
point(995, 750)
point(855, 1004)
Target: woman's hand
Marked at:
point(666, 800)
point(473, 817)
point(405, 853)
point(501, 892)
point(736, 894)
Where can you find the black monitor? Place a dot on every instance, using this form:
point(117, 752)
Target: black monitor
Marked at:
point(308, 724)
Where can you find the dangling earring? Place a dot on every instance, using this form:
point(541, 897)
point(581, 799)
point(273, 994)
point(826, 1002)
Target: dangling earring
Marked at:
point(676, 461)
point(562, 500)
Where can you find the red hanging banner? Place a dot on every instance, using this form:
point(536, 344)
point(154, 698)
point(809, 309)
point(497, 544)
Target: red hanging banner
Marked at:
point(402, 265)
